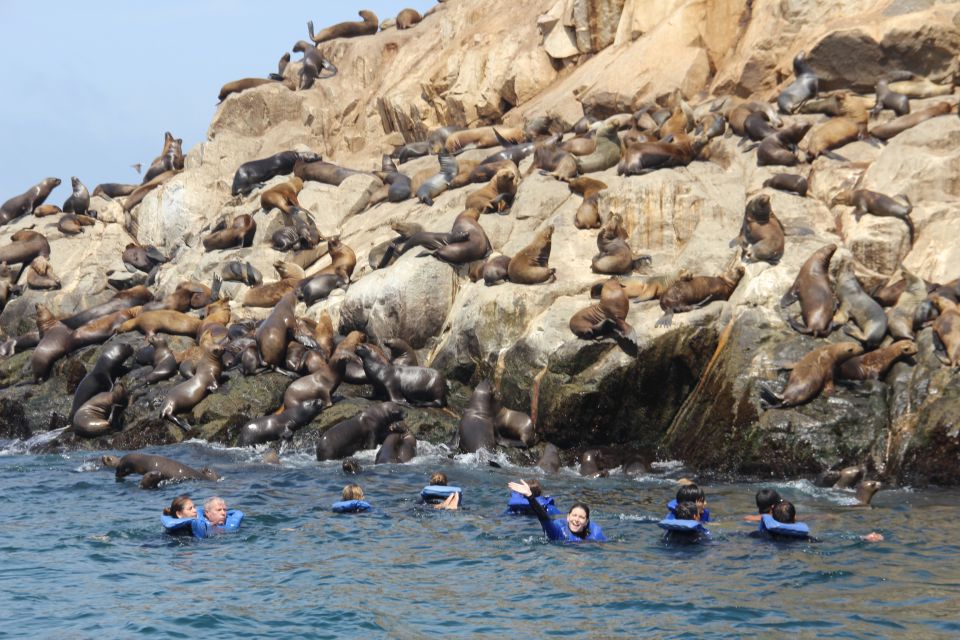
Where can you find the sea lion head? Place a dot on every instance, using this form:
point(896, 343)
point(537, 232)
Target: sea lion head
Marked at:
point(209, 474)
point(111, 462)
point(118, 352)
point(759, 208)
point(905, 347)
point(866, 491)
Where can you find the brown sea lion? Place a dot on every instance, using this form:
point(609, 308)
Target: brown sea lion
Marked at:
point(398, 447)
point(643, 288)
point(644, 157)
point(240, 233)
point(757, 126)
point(318, 385)
point(187, 395)
point(113, 190)
point(342, 258)
point(170, 158)
point(812, 375)
point(27, 201)
point(241, 272)
point(251, 175)
point(466, 242)
point(132, 297)
point(788, 182)
point(866, 490)
point(408, 18)
point(694, 292)
point(549, 459)
point(40, 274)
point(606, 154)
point(163, 321)
point(312, 66)
point(588, 215)
point(513, 428)
point(615, 256)
point(836, 132)
point(476, 429)
point(56, 340)
point(401, 353)
point(781, 148)
point(529, 265)
point(608, 316)
point(580, 146)
point(100, 414)
point(100, 330)
point(418, 386)
point(138, 194)
point(47, 210)
point(317, 170)
point(109, 367)
point(276, 331)
point(142, 258)
point(25, 245)
point(946, 328)
point(900, 317)
point(498, 194)
point(812, 288)
point(364, 431)
point(495, 270)
point(889, 129)
point(282, 196)
point(869, 323)
point(480, 138)
point(79, 200)
point(874, 365)
point(72, 224)
point(761, 234)
point(367, 27)
point(156, 469)
point(165, 363)
point(804, 86)
point(241, 85)
point(270, 293)
point(738, 115)
point(877, 204)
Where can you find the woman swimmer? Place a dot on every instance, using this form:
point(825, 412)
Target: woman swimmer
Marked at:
point(181, 507)
point(577, 527)
point(452, 502)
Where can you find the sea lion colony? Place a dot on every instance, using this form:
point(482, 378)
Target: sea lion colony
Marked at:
point(308, 350)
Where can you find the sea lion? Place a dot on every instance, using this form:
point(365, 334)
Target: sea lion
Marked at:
point(812, 288)
point(438, 183)
point(137, 257)
point(529, 265)
point(645, 157)
point(739, 114)
point(165, 364)
point(606, 154)
point(79, 201)
point(241, 272)
point(836, 132)
point(186, 395)
point(318, 170)
point(399, 185)
point(781, 148)
point(170, 158)
point(476, 425)
point(141, 192)
point(251, 175)
point(156, 469)
point(900, 317)
point(866, 490)
point(889, 129)
point(848, 476)
point(878, 204)
point(269, 294)
point(761, 234)
point(804, 86)
point(109, 367)
point(113, 190)
point(278, 425)
point(591, 464)
point(513, 428)
point(757, 126)
point(47, 210)
point(282, 196)
point(133, 297)
point(163, 321)
point(874, 365)
point(870, 322)
point(313, 65)
point(100, 414)
point(411, 150)
point(386, 253)
point(889, 99)
point(71, 223)
point(364, 431)
point(101, 329)
point(499, 193)
point(240, 233)
point(320, 385)
point(495, 270)
point(27, 201)
point(401, 353)
point(946, 329)
point(56, 340)
point(478, 138)
point(588, 215)
point(694, 292)
point(25, 245)
point(40, 274)
point(643, 288)
point(241, 85)
point(367, 27)
point(408, 18)
point(418, 386)
point(549, 459)
point(609, 315)
point(398, 447)
point(342, 259)
point(615, 256)
point(320, 286)
point(812, 375)
point(274, 333)
point(788, 182)
point(466, 242)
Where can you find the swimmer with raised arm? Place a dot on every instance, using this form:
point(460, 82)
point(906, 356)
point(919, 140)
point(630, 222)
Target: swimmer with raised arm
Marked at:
point(577, 527)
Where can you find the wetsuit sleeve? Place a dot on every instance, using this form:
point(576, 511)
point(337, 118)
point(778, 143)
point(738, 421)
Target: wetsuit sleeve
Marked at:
point(596, 533)
point(233, 520)
point(553, 529)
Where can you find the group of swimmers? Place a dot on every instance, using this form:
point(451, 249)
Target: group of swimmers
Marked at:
point(685, 519)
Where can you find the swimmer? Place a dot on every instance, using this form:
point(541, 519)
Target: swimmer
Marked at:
point(181, 507)
point(351, 500)
point(685, 511)
point(577, 527)
point(518, 506)
point(690, 492)
point(766, 500)
point(452, 501)
point(214, 518)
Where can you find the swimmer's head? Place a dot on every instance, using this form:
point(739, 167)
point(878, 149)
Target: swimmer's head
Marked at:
point(687, 511)
point(181, 507)
point(352, 492)
point(690, 493)
point(784, 512)
point(578, 518)
point(766, 499)
point(438, 479)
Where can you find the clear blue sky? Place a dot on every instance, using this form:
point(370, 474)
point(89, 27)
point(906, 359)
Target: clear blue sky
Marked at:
point(88, 88)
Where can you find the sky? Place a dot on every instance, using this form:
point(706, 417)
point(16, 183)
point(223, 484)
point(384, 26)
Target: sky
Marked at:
point(89, 88)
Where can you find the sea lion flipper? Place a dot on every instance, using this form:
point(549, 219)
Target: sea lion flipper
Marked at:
point(769, 399)
point(151, 480)
point(665, 320)
point(789, 297)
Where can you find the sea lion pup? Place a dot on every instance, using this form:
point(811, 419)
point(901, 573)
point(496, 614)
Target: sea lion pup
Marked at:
point(836, 132)
point(874, 365)
point(877, 204)
point(869, 320)
point(888, 99)
point(900, 317)
point(781, 147)
point(810, 376)
point(408, 18)
point(946, 329)
point(694, 292)
point(399, 185)
point(418, 386)
point(47, 210)
point(244, 272)
point(138, 194)
point(156, 469)
point(40, 274)
point(436, 185)
point(251, 175)
point(79, 201)
point(495, 270)
point(282, 196)
point(803, 87)
point(615, 256)
point(588, 215)
point(113, 190)
point(313, 65)
point(757, 126)
point(401, 353)
point(499, 193)
point(165, 364)
point(466, 242)
point(187, 395)
point(608, 316)
point(138, 257)
point(7, 287)
point(56, 340)
point(529, 265)
point(607, 153)
point(476, 429)
point(738, 115)
point(239, 234)
point(71, 224)
point(320, 286)
point(170, 158)
point(25, 245)
point(100, 414)
point(761, 234)
point(367, 27)
point(108, 368)
point(788, 182)
point(645, 157)
point(812, 288)
point(27, 201)
point(270, 293)
point(889, 129)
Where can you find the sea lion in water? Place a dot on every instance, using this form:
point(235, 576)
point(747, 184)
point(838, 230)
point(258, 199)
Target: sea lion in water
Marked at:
point(476, 425)
point(251, 175)
point(549, 459)
point(101, 329)
point(367, 27)
point(398, 447)
point(812, 375)
point(874, 365)
point(529, 265)
point(694, 292)
point(47, 210)
point(866, 490)
point(240, 233)
point(609, 315)
point(788, 182)
point(870, 322)
point(40, 274)
point(761, 234)
point(79, 201)
point(27, 201)
point(418, 386)
point(364, 431)
point(812, 288)
point(156, 469)
point(804, 86)
point(108, 368)
point(946, 328)
point(99, 415)
point(889, 129)
point(878, 204)
point(186, 395)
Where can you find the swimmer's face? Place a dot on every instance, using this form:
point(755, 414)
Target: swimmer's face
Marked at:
point(188, 510)
point(217, 513)
point(576, 520)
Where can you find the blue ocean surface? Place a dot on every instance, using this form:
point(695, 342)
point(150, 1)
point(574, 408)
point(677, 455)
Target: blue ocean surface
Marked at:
point(83, 556)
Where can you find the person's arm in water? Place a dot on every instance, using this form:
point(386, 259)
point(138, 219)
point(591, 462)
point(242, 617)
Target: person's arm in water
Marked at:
point(552, 528)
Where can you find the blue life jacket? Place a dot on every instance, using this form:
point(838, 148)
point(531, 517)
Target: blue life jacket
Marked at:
point(351, 506)
point(201, 527)
point(519, 506)
point(769, 526)
point(683, 529)
point(435, 493)
point(176, 526)
point(557, 530)
point(672, 508)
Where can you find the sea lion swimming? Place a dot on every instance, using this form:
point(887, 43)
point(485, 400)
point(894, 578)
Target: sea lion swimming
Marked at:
point(275, 332)
point(156, 469)
point(812, 375)
point(476, 429)
point(27, 201)
point(812, 288)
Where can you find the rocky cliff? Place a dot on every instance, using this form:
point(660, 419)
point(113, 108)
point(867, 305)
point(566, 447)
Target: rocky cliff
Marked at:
point(691, 390)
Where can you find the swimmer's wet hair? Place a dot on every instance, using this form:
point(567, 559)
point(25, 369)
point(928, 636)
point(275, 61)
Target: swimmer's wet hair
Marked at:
point(438, 479)
point(535, 489)
point(767, 499)
point(352, 492)
point(784, 512)
point(686, 511)
point(690, 493)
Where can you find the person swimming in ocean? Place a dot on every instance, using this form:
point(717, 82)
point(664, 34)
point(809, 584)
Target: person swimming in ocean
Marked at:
point(576, 528)
point(452, 499)
point(766, 499)
point(690, 492)
point(517, 504)
point(183, 517)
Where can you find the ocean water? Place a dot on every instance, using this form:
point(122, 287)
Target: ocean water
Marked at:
point(83, 556)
